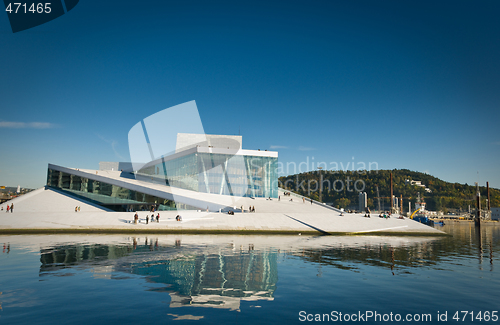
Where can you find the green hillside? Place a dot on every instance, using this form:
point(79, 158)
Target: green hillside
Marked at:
point(342, 189)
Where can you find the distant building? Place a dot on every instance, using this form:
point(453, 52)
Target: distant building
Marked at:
point(395, 202)
point(411, 182)
point(419, 184)
point(495, 213)
point(363, 201)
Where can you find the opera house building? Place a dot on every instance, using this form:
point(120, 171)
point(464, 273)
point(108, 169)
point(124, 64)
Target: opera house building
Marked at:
point(204, 172)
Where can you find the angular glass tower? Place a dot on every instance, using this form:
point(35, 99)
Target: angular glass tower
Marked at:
point(218, 166)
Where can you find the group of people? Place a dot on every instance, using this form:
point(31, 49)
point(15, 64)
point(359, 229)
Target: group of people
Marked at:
point(77, 209)
point(9, 208)
point(153, 218)
point(250, 209)
point(385, 215)
point(178, 218)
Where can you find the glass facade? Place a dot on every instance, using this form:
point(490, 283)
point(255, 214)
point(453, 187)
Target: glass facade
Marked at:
point(110, 196)
point(223, 174)
point(182, 172)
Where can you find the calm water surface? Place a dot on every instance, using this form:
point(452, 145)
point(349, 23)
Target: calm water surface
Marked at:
point(250, 279)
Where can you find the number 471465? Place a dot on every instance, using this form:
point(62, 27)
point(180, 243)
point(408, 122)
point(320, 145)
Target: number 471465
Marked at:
point(479, 316)
point(39, 8)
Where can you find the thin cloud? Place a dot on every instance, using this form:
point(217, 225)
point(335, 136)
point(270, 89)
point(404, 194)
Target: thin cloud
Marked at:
point(302, 148)
point(113, 144)
point(27, 125)
point(278, 147)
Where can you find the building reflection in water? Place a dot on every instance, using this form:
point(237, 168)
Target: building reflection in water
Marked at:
point(219, 281)
point(229, 269)
point(192, 277)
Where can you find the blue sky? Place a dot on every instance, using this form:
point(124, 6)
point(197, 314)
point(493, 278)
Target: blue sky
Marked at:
point(406, 84)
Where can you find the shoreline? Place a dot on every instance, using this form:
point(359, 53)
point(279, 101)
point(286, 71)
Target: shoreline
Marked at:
point(194, 222)
point(55, 231)
point(483, 222)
